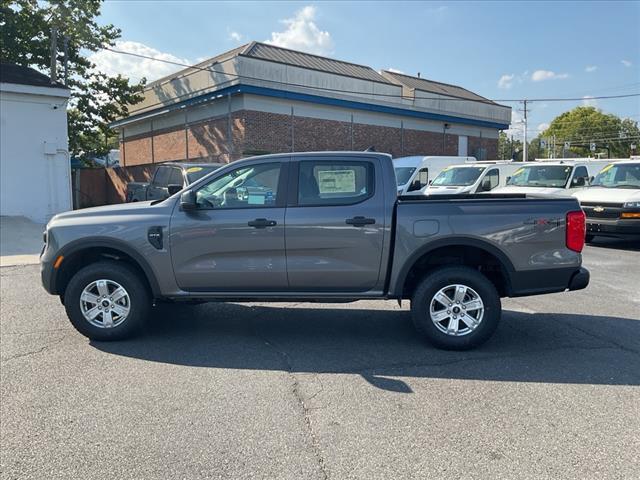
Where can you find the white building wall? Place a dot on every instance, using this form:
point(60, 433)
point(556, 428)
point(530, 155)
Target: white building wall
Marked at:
point(34, 163)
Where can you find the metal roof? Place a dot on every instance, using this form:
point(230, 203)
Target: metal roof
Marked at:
point(434, 87)
point(20, 75)
point(272, 53)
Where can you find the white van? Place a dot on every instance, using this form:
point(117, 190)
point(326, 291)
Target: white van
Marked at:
point(564, 177)
point(612, 202)
point(414, 173)
point(475, 177)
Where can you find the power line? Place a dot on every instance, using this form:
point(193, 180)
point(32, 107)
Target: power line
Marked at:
point(238, 76)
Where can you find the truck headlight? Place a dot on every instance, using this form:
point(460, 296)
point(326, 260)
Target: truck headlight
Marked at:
point(631, 205)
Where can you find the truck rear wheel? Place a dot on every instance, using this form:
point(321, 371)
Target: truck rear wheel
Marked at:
point(456, 308)
point(107, 301)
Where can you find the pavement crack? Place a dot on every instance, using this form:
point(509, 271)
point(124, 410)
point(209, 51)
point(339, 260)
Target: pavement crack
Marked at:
point(300, 400)
point(33, 352)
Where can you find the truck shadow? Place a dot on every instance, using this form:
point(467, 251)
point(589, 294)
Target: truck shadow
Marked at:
point(381, 345)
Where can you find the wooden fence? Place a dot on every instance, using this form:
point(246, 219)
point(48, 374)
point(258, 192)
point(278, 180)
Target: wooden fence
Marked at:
point(93, 187)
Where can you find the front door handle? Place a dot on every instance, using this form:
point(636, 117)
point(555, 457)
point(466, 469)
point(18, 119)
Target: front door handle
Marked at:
point(262, 223)
point(360, 221)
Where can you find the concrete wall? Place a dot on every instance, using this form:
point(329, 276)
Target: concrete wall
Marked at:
point(35, 172)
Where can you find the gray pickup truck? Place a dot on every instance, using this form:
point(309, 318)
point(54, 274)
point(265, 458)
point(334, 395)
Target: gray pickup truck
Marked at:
point(320, 227)
point(168, 179)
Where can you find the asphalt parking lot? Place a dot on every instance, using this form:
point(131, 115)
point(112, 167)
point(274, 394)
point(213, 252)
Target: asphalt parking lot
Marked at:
point(326, 391)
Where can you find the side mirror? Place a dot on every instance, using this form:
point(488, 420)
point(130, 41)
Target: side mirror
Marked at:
point(508, 178)
point(591, 178)
point(579, 182)
point(415, 185)
point(486, 185)
point(173, 189)
point(188, 201)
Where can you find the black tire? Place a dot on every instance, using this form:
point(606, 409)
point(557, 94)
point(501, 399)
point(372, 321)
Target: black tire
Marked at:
point(129, 279)
point(589, 238)
point(441, 278)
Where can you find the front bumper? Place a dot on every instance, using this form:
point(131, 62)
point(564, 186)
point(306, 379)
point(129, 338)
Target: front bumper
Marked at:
point(613, 227)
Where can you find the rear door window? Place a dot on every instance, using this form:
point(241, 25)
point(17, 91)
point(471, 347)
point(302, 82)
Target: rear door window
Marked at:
point(334, 182)
point(161, 177)
point(176, 177)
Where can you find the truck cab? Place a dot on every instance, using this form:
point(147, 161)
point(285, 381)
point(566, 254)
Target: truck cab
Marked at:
point(413, 174)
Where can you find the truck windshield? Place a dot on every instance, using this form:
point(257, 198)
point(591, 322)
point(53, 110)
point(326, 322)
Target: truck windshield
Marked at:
point(458, 177)
point(196, 173)
point(403, 174)
point(541, 176)
point(625, 175)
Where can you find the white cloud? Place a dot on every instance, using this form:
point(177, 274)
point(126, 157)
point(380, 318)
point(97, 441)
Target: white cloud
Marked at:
point(394, 70)
point(135, 68)
point(302, 33)
point(506, 81)
point(542, 75)
point(516, 127)
point(626, 63)
point(589, 101)
point(542, 127)
point(235, 36)
point(590, 68)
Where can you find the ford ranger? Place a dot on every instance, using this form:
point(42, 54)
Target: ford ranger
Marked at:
point(320, 227)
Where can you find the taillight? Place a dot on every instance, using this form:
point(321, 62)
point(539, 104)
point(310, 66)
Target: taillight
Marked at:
point(576, 230)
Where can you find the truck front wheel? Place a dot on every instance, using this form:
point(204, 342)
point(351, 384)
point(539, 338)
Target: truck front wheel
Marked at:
point(456, 308)
point(107, 301)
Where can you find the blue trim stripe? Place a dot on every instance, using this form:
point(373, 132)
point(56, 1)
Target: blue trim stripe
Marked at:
point(305, 97)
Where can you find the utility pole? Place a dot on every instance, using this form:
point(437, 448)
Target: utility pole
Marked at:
point(524, 145)
point(66, 60)
point(54, 54)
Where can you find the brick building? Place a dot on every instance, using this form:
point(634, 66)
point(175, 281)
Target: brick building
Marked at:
point(259, 98)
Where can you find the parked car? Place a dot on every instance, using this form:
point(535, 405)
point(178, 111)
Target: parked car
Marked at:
point(474, 177)
point(413, 174)
point(564, 177)
point(612, 202)
point(348, 237)
point(168, 179)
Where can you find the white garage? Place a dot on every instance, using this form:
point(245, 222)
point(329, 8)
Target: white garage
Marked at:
point(34, 157)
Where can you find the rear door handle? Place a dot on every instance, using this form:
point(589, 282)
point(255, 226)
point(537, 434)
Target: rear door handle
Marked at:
point(262, 223)
point(360, 221)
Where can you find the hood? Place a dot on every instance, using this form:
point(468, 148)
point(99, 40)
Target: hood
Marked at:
point(119, 210)
point(608, 195)
point(448, 190)
point(533, 190)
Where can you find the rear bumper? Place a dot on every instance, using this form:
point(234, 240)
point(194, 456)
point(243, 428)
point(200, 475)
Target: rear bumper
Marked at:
point(555, 280)
point(580, 279)
point(617, 227)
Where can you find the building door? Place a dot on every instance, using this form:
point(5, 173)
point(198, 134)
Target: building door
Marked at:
point(335, 227)
point(234, 240)
point(462, 145)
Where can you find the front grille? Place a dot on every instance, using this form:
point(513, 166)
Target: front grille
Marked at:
point(602, 211)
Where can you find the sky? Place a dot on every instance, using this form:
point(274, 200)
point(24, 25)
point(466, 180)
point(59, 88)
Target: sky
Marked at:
point(501, 50)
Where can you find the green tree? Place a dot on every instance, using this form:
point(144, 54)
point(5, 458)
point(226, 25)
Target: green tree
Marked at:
point(509, 148)
point(96, 98)
point(584, 125)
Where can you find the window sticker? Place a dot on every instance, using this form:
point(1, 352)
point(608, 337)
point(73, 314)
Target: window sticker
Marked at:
point(518, 171)
point(608, 167)
point(256, 199)
point(193, 169)
point(337, 181)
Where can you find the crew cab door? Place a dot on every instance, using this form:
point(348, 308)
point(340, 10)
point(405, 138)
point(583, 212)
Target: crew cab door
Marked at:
point(234, 240)
point(335, 224)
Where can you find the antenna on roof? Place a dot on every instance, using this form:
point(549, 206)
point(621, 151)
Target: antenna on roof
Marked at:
point(371, 149)
point(418, 74)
